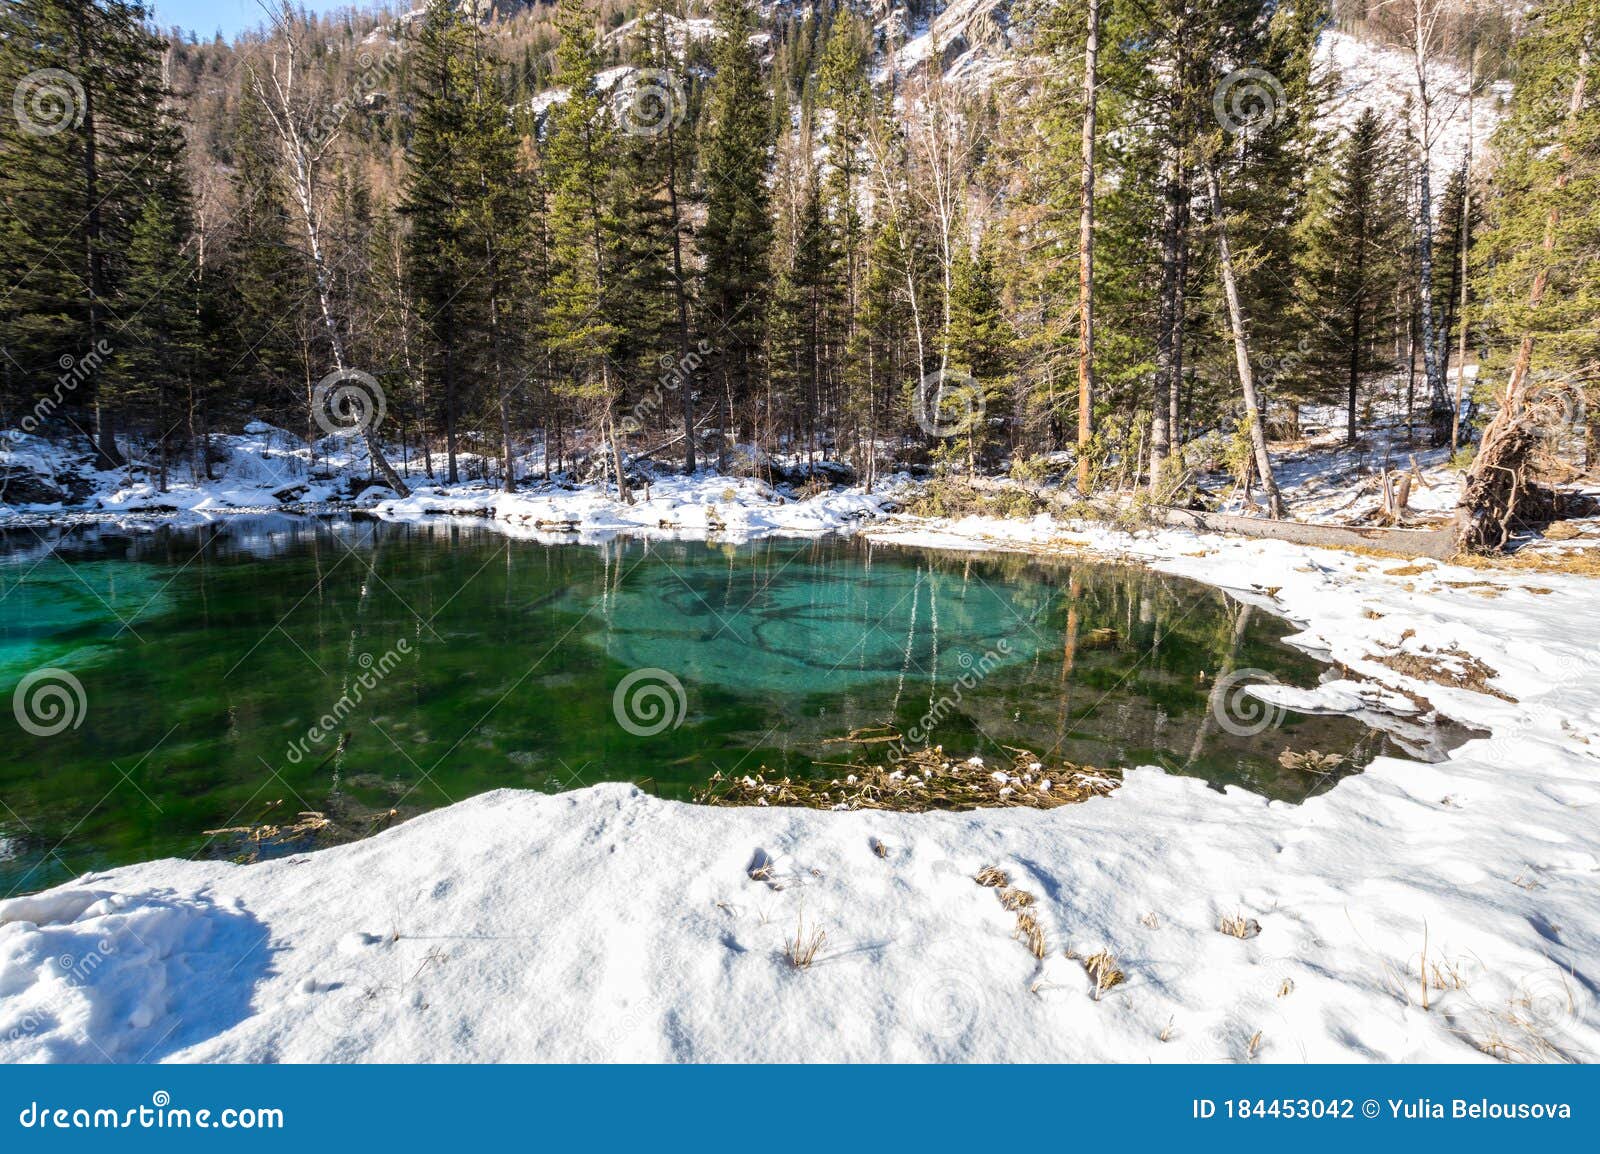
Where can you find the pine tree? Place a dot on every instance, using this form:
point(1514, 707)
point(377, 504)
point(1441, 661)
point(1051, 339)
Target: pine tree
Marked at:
point(157, 362)
point(438, 262)
point(1539, 278)
point(85, 77)
point(1347, 242)
point(583, 234)
point(264, 283)
point(736, 239)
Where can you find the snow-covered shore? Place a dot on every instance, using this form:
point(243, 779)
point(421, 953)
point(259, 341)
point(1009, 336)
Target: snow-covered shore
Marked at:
point(1414, 912)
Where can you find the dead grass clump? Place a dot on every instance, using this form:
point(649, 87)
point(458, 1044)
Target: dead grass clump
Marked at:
point(1561, 531)
point(1015, 900)
point(802, 949)
point(1412, 570)
point(1239, 926)
point(922, 781)
point(1312, 762)
point(1580, 562)
point(1454, 667)
point(1103, 969)
point(1030, 934)
point(992, 876)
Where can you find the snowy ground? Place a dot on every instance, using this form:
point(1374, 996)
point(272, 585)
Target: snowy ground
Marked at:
point(1416, 911)
point(269, 469)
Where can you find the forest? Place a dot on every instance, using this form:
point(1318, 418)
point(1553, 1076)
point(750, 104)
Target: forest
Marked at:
point(1127, 241)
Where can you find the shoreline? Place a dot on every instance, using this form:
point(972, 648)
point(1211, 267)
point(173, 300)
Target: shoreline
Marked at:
point(646, 936)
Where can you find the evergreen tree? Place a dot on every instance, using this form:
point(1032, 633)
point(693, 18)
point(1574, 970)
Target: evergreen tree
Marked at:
point(157, 361)
point(736, 239)
point(1539, 278)
point(1347, 247)
point(583, 234)
point(74, 164)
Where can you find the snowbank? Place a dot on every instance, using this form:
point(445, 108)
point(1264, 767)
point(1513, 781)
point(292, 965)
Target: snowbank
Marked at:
point(1414, 912)
point(266, 468)
point(734, 507)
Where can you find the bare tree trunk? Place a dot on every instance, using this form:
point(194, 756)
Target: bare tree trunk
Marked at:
point(1466, 240)
point(686, 375)
point(1166, 310)
point(1241, 349)
point(300, 159)
point(1086, 255)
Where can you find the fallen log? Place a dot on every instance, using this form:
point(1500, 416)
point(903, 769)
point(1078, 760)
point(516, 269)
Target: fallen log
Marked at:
point(1438, 543)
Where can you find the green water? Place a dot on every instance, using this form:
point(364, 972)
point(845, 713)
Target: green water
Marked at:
point(466, 662)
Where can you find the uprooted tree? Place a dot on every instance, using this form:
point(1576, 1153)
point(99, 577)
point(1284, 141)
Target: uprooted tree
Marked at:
point(1504, 484)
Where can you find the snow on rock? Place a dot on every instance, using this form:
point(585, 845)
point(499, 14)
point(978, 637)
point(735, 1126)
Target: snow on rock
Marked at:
point(706, 502)
point(605, 924)
point(261, 468)
point(1341, 696)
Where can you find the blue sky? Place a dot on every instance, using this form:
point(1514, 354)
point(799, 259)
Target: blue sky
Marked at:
point(231, 16)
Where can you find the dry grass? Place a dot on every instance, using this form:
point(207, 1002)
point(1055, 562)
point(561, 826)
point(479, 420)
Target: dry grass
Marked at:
point(1031, 934)
point(1253, 1046)
point(1454, 667)
point(1312, 762)
point(992, 876)
point(1239, 926)
point(1285, 987)
point(1150, 920)
point(879, 848)
point(1581, 562)
point(1522, 1031)
point(1103, 969)
point(924, 780)
point(802, 949)
point(1409, 570)
point(1015, 900)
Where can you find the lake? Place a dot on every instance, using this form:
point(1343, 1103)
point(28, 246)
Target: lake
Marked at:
point(169, 682)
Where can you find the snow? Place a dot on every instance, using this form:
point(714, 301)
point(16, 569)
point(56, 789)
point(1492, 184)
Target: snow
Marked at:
point(266, 468)
point(1383, 77)
point(734, 507)
point(605, 924)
